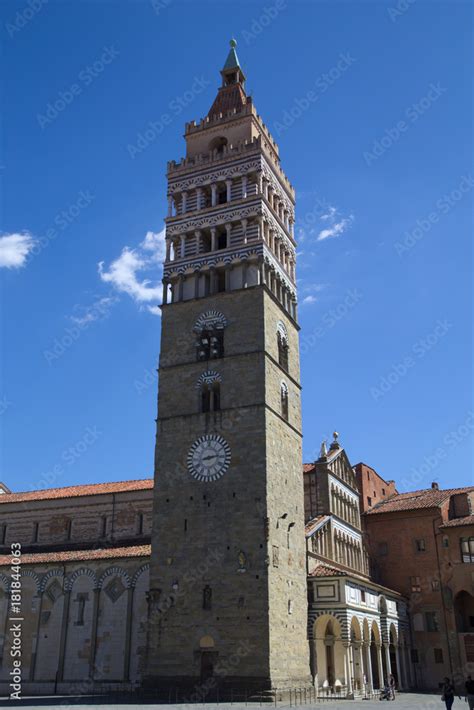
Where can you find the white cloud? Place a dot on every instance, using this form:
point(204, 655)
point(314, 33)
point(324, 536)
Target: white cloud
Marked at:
point(127, 272)
point(14, 249)
point(330, 214)
point(336, 228)
point(98, 310)
point(309, 299)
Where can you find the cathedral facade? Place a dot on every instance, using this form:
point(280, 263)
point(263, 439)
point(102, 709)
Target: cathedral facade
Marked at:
point(236, 567)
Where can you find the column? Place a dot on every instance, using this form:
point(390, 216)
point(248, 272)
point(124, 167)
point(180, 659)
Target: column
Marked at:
point(228, 184)
point(213, 239)
point(165, 292)
point(370, 677)
point(244, 273)
point(380, 665)
point(95, 622)
point(228, 229)
point(196, 283)
point(168, 249)
point(259, 183)
point(347, 668)
point(180, 287)
point(199, 198)
point(184, 202)
point(212, 280)
point(387, 658)
point(128, 634)
point(64, 630)
point(183, 245)
point(213, 194)
point(227, 271)
point(170, 205)
point(244, 186)
point(244, 229)
point(197, 234)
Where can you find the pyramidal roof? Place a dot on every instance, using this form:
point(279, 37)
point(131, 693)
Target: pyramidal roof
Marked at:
point(232, 61)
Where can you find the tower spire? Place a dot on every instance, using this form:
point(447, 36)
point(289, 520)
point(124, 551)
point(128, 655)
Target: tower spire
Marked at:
point(231, 95)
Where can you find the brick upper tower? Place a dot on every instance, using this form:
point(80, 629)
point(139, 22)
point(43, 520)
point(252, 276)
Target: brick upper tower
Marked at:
point(227, 600)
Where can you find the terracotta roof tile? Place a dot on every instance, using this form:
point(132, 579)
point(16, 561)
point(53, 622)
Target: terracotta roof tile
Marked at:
point(308, 467)
point(457, 522)
point(415, 500)
point(76, 491)
point(79, 555)
point(322, 570)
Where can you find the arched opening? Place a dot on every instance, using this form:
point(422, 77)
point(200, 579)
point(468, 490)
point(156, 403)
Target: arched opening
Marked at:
point(330, 654)
point(393, 653)
point(375, 656)
point(357, 662)
point(282, 351)
point(464, 612)
point(218, 144)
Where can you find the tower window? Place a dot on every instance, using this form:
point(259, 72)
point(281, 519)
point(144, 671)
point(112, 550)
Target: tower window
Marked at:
point(3, 533)
point(210, 344)
point(140, 524)
point(103, 531)
point(220, 281)
point(210, 397)
point(467, 549)
point(207, 597)
point(69, 529)
point(284, 400)
point(282, 337)
point(35, 532)
point(221, 196)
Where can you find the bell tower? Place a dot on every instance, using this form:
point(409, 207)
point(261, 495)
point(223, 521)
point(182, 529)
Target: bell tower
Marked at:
point(228, 602)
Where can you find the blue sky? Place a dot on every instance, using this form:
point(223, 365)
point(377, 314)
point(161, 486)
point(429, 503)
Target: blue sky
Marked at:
point(369, 102)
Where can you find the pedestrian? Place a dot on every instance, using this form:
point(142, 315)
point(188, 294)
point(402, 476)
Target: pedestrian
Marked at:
point(470, 692)
point(448, 693)
point(392, 682)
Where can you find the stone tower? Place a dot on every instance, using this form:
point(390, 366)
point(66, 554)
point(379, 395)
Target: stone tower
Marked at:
point(227, 603)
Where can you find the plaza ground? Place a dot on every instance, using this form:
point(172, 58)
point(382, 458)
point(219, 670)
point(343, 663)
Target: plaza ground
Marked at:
point(404, 701)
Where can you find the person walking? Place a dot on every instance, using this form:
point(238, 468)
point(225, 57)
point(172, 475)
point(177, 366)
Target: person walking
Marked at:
point(392, 683)
point(448, 693)
point(470, 692)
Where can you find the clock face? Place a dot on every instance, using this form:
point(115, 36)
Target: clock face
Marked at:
point(209, 457)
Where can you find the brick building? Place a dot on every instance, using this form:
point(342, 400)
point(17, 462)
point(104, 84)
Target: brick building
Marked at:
point(422, 544)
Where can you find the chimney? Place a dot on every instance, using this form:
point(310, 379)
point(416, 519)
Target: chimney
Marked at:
point(435, 486)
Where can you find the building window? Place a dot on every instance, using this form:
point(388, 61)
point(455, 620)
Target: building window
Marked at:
point(415, 584)
point(438, 655)
point(382, 548)
point(383, 491)
point(3, 533)
point(435, 585)
point(140, 524)
point(362, 596)
point(69, 529)
point(431, 620)
point(284, 400)
point(420, 545)
point(369, 501)
point(445, 541)
point(103, 527)
point(290, 606)
point(35, 532)
point(467, 549)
